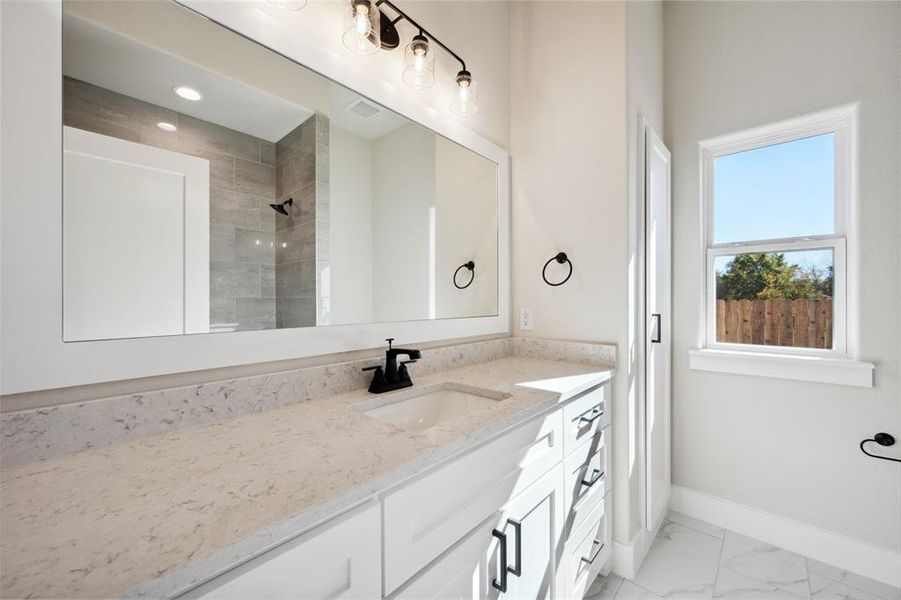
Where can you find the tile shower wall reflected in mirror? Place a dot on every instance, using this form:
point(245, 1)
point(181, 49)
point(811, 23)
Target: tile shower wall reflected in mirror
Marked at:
point(235, 190)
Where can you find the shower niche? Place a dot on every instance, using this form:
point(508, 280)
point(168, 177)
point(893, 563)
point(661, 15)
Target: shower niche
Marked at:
point(212, 185)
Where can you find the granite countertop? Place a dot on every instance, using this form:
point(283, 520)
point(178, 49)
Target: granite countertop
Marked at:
point(151, 517)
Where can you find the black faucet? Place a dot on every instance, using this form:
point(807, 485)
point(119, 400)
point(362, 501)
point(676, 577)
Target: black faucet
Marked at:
point(392, 377)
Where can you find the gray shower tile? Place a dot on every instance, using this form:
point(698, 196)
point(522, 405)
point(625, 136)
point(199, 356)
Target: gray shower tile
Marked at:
point(267, 281)
point(296, 243)
point(234, 279)
point(268, 217)
point(231, 208)
point(222, 166)
point(295, 173)
point(300, 138)
point(222, 310)
point(209, 136)
point(254, 178)
point(296, 312)
point(267, 153)
point(322, 163)
point(96, 108)
point(289, 280)
point(254, 246)
point(255, 313)
point(222, 243)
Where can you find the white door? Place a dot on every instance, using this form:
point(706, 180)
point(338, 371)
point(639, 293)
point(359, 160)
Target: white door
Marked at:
point(531, 530)
point(658, 326)
point(135, 239)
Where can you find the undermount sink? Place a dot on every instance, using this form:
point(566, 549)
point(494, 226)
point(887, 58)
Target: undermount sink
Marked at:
point(418, 409)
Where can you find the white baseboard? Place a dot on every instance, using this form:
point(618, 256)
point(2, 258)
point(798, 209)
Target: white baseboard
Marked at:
point(832, 548)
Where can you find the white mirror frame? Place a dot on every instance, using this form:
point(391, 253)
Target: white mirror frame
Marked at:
point(33, 355)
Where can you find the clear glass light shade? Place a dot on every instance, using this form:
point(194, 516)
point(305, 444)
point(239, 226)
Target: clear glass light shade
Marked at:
point(362, 27)
point(467, 95)
point(289, 4)
point(419, 64)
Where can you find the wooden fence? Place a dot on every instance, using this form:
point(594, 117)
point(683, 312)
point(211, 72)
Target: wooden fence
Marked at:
point(798, 323)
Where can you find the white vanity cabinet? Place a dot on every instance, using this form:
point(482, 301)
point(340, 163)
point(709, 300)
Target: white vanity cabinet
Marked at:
point(525, 516)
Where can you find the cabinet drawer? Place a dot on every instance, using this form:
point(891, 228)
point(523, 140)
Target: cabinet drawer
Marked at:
point(341, 559)
point(585, 416)
point(587, 552)
point(587, 479)
point(427, 516)
point(463, 573)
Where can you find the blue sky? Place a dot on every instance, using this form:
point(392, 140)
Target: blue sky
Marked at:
point(778, 191)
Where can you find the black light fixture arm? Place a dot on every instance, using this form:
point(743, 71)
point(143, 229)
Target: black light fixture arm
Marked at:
point(422, 31)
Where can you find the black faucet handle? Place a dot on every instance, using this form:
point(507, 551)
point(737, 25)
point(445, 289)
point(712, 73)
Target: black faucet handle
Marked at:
point(372, 368)
point(389, 340)
point(406, 362)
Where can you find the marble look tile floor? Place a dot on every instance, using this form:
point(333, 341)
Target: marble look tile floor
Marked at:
point(694, 560)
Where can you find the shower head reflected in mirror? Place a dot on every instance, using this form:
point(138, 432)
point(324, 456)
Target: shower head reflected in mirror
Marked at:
point(280, 208)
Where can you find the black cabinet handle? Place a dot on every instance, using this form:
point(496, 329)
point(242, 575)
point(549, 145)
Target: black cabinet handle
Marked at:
point(502, 541)
point(590, 561)
point(657, 327)
point(596, 413)
point(517, 570)
point(596, 476)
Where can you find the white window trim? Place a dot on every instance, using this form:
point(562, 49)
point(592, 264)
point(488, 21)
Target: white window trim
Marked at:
point(838, 365)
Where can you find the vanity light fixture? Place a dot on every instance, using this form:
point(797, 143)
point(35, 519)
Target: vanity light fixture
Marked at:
point(367, 29)
point(166, 126)
point(465, 102)
point(362, 27)
point(419, 63)
point(188, 93)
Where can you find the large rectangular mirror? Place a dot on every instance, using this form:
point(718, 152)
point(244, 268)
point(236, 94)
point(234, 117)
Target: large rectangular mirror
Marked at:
point(211, 184)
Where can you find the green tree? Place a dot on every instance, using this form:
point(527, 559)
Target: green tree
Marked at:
point(765, 276)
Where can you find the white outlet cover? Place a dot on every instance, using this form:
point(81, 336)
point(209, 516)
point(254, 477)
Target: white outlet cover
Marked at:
point(525, 319)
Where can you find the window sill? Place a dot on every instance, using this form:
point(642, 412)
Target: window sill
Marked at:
point(839, 371)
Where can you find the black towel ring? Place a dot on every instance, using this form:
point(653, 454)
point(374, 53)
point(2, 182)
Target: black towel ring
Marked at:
point(560, 258)
point(883, 439)
point(472, 275)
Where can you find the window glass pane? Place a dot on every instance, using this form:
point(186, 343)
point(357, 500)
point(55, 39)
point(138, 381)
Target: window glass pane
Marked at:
point(775, 298)
point(780, 191)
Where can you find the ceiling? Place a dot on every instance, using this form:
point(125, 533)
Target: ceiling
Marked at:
point(122, 64)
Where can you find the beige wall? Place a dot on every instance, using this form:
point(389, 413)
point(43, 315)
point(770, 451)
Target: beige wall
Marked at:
point(569, 167)
point(790, 448)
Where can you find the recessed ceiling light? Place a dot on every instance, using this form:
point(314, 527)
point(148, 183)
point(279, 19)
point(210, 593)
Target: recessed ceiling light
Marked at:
point(166, 126)
point(188, 93)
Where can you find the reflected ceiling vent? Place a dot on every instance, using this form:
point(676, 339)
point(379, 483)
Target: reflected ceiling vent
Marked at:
point(363, 108)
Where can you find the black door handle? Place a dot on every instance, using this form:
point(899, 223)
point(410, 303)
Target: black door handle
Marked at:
point(657, 327)
point(502, 541)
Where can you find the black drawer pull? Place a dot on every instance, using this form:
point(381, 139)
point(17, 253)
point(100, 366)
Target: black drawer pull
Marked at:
point(517, 553)
point(590, 561)
point(596, 476)
point(502, 542)
point(596, 413)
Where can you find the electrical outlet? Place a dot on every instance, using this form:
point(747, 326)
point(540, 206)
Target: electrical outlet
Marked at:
point(525, 319)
